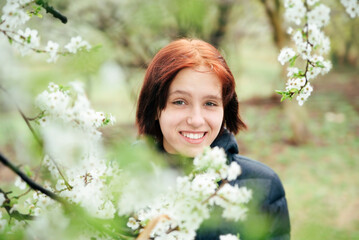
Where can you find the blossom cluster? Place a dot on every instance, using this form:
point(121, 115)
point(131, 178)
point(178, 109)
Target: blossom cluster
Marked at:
point(67, 114)
point(75, 161)
point(15, 15)
point(74, 157)
point(179, 212)
point(310, 44)
point(352, 7)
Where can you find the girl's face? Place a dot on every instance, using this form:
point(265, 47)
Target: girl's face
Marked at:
point(193, 114)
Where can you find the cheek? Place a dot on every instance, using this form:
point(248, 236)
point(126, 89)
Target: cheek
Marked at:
point(168, 116)
point(168, 120)
point(216, 120)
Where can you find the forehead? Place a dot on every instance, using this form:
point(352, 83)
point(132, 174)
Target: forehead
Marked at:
point(196, 80)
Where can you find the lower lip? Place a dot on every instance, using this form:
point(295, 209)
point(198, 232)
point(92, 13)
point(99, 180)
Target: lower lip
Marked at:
point(194, 141)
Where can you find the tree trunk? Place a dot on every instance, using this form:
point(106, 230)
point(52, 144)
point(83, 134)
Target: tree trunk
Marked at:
point(224, 8)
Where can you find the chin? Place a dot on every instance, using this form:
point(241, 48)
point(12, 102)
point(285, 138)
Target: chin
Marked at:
point(192, 152)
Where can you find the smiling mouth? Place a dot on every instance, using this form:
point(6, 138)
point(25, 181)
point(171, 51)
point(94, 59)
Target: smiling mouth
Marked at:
point(193, 136)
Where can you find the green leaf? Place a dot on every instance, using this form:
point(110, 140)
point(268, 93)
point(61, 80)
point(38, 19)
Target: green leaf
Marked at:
point(64, 88)
point(106, 121)
point(279, 92)
point(292, 60)
point(319, 64)
point(284, 97)
point(28, 171)
point(287, 94)
point(13, 201)
point(293, 90)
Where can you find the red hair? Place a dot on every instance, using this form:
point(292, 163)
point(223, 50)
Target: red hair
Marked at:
point(180, 54)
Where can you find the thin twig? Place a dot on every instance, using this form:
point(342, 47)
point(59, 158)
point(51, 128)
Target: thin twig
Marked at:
point(13, 213)
point(35, 178)
point(39, 141)
point(34, 118)
point(6, 33)
point(69, 187)
point(215, 193)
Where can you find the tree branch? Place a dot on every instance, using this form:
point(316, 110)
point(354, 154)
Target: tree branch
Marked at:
point(51, 10)
point(30, 182)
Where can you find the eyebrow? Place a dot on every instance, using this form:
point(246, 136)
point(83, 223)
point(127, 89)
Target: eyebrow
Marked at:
point(210, 96)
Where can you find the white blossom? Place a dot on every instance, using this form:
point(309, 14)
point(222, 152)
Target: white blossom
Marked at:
point(315, 35)
point(214, 158)
point(27, 41)
point(319, 16)
point(307, 89)
point(289, 30)
point(352, 7)
point(52, 49)
point(204, 184)
point(304, 94)
point(311, 2)
point(285, 55)
point(228, 237)
point(67, 114)
point(20, 183)
point(189, 204)
point(295, 83)
point(234, 171)
point(13, 16)
point(294, 10)
point(2, 199)
point(76, 43)
point(292, 71)
point(133, 224)
point(324, 46)
point(298, 37)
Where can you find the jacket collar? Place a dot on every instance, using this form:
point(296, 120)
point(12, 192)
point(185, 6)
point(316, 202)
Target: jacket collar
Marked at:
point(227, 141)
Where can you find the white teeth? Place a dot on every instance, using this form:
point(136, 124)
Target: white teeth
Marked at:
point(193, 135)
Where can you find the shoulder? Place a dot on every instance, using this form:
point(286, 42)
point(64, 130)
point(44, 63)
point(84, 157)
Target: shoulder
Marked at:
point(261, 176)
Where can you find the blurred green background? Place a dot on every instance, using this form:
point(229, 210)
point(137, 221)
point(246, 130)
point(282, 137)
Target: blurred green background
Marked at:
point(313, 148)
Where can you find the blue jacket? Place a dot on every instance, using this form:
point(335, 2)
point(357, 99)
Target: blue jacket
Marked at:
point(267, 217)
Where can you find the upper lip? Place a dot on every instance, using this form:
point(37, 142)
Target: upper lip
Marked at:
point(193, 132)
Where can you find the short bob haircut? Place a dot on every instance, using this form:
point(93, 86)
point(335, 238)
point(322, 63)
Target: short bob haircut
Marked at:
point(180, 54)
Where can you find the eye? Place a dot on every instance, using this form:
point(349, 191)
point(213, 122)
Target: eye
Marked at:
point(178, 102)
point(210, 104)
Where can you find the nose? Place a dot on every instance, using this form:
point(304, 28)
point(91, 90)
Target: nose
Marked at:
point(195, 118)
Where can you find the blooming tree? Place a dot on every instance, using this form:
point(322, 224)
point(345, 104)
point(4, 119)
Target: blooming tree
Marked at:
point(306, 58)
